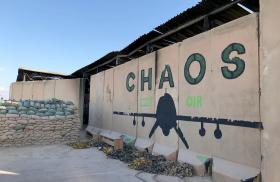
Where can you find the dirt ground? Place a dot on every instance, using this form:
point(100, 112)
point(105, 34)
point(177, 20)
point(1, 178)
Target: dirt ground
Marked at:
point(61, 163)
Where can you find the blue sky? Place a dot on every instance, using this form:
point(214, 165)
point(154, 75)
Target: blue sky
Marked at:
point(65, 35)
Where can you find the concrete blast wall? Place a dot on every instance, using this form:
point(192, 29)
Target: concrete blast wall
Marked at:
point(216, 96)
point(212, 75)
point(64, 89)
point(270, 100)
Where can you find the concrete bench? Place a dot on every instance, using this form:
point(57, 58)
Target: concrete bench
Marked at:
point(95, 132)
point(169, 152)
point(227, 171)
point(112, 138)
point(144, 144)
point(200, 162)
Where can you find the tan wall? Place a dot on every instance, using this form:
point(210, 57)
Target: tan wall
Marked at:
point(167, 56)
point(50, 87)
point(123, 100)
point(64, 89)
point(270, 89)
point(233, 99)
point(108, 91)
point(16, 91)
point(146, 98)
point(96, 100)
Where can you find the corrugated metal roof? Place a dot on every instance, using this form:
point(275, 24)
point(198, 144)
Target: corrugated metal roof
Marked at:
point(156, 37)
point(31, 74)
point(95, 64)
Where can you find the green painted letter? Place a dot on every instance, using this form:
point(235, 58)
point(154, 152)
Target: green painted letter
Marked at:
point(146, 79)
point(239, 63)
point(200, 59)
point(130, 88)
point(168, 78)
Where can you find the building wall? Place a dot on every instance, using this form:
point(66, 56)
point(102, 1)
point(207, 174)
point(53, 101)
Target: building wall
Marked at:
point(229, 96)
point(270, 100)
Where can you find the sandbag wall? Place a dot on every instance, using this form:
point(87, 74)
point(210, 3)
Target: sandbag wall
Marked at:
point(33, 122)
point(64, 89)
point(212, 75)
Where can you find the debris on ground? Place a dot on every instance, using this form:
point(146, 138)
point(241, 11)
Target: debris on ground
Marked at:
point(140, 160)
point(79, 145)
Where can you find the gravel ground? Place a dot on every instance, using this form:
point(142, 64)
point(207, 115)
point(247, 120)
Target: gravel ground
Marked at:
point(64, 164)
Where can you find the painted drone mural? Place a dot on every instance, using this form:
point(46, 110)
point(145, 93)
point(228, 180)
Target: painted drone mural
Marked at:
point(166, 118)
point(166, 115)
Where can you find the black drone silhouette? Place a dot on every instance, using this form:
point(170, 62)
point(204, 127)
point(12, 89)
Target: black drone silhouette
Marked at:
point(166, 119)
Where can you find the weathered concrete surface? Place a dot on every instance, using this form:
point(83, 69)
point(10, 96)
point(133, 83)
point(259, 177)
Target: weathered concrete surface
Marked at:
point(96, 100)
point(167, 56)
point(146, 97)
point(64, 89)
point(64, 164)
point(124, 100)
point(236, 99)
point(108, 93)
point(269, 76)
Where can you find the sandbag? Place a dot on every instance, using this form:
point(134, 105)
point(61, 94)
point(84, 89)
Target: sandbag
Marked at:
point(3, 111)
point(30, 112)
point(22, 112)
point(60, 113)
point(26, 103)
point(3, 108)
point(11, 108)
point(22, 108)
point(12, 111)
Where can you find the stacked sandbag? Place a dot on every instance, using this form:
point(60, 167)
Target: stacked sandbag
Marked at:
point(41, 108)
point(32, 122)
